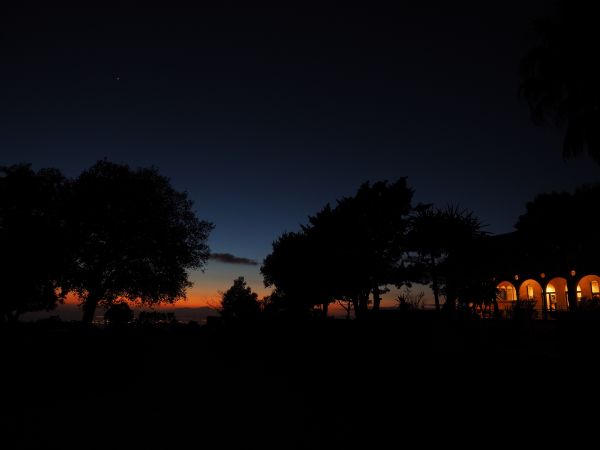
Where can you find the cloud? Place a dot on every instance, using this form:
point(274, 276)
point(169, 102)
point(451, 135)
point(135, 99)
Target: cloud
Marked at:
point(228, 258)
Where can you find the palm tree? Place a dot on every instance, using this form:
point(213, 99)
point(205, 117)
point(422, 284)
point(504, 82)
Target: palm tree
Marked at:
point(560, 77)
point(439, 238)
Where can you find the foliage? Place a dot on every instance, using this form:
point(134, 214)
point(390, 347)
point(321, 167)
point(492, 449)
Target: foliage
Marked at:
point(365, 235)
point(408, 301)
point(560, 77)
point(118, 314)
point(589, 304)
point(560, 240)
point(278, 305)
point(132, 236)
point(31, 238)
point(444, 247)
point(524, 309)
point(345, 252)
point(295, 268)
point(239, 302)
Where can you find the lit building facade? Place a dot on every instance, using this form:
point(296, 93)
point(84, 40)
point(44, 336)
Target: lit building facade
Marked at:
point(556, 282)
point(551, 292)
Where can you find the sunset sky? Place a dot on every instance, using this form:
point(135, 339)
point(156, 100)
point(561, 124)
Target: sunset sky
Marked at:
point(266, 115)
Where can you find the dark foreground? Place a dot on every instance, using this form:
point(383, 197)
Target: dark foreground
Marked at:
point(407, 383)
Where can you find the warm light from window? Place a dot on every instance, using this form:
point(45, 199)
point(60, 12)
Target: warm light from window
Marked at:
point(530, 292)
point(502, 293)
point(595, 287)
point(507, 292)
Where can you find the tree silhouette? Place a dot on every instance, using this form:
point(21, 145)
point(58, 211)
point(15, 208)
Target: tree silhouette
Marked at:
point(469, 274)
point(427, 241)
point(364, 238)
point(239, 302)
point(118, 315)
point(32, 254)
point(560, 230)
point(297, 268)
point(132, 236)
point(560, 77)
point(442, 241)
point(552, 234)
point(346, 252)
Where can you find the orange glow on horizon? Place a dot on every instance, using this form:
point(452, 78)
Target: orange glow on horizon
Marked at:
point(194, 299)
point(197, 298)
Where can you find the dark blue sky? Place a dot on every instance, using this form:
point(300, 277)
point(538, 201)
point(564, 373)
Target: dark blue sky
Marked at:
point(265, 115)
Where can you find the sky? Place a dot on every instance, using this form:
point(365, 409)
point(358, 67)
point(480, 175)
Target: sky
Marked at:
point(264, 115)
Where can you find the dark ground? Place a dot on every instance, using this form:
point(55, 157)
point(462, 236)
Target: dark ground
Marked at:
point(416, 382)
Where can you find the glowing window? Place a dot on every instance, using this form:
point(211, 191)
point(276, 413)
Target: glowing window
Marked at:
point(530, 292)
point(511, 294)
point(507, 293)
point(595, 287)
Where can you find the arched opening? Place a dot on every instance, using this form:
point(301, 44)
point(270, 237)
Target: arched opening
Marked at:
point(551, 297)
point(506, 296)
point(588, 288)
point(506, 292)
point(556, 294)
point(579, 295)
point(531, 290)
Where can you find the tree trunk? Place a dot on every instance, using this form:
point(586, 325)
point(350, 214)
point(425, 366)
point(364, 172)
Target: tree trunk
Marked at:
point(89, 308)
point(325, 309)
point(376, 298)
point(451, 296)
point(356, 305)
point(434, 284)
point(363, 304)
point(360, 305)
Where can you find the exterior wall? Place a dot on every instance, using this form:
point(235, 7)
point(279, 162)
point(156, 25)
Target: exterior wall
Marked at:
point(551, 294)
point(559, 285)
point(586, 284)
point(531, 290)
point(505, 299)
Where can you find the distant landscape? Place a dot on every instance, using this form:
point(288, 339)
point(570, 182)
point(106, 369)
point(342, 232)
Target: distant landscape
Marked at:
point(69, 312)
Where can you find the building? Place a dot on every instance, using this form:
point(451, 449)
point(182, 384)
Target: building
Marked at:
point(552, 281)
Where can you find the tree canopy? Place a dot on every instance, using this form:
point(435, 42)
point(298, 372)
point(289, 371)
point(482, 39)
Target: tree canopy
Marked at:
point(442, 242)
point(300, 268)
point(31, 238)
point(349, 251)
point(560, 76)
point(239, 302)
point(118, 315)
point(560, 228)
point(132, 236)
